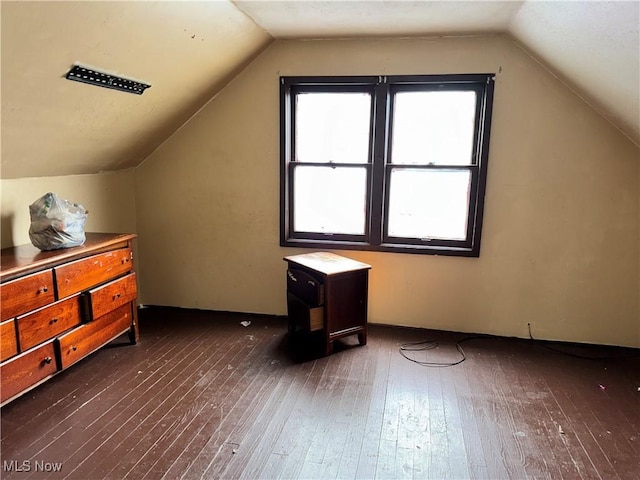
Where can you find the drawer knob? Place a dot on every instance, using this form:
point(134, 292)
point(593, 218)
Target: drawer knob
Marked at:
point(43, 289)
point(125, 260)
point(74, 348)
point(53, 320)
point(117, 295)
point(47, 360)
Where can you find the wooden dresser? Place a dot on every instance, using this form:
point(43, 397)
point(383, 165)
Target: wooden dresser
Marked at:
point(59, 306)
point(329, 294)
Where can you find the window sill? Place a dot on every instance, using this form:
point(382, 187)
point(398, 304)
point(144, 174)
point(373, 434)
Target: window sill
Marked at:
point(384, 247)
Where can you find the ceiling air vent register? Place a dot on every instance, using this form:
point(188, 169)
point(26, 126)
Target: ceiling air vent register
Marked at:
point(82, 74)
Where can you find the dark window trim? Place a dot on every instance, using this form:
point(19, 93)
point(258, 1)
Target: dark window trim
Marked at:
point(382, 89)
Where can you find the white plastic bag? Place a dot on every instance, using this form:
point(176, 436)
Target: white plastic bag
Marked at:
point(56, 223)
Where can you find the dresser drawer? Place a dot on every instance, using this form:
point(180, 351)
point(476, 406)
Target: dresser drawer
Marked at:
point(26, 293)
point(300, 313)
point(27, 369)
point(41, 325)
point(8, 340)
point(112, 295)
point(305, 287)
point(89, 272)
point(89, 337)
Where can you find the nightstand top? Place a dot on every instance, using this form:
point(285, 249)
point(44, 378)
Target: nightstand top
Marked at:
point(327, 263)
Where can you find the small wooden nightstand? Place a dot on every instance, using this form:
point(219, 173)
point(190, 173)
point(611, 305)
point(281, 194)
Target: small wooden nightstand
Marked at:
point(330, 293)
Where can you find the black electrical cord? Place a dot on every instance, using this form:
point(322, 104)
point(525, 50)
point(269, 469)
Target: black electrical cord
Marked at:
point(546, 344)
point(430, 345)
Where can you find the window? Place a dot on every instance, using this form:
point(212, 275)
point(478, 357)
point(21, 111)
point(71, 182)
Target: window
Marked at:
point(385, 163)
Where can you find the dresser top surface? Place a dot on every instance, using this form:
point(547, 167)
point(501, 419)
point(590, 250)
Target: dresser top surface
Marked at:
point(327, 263)
point(26, 258)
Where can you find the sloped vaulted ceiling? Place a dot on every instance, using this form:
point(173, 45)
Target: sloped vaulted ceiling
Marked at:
point(51, 126)
point(592, 46)
point(189, 50)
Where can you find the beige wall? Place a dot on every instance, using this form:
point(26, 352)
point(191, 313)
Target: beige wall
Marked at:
point(561, 237)
point(109, 198)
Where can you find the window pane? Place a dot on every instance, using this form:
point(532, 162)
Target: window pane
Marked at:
point(433, 128)
point(429, 204)
point(329, 200)
point(333, 127)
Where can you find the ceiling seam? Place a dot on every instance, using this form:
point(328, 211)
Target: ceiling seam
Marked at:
point(232, 77)
point(571, 87)
point(495, 33)
point(235, 5)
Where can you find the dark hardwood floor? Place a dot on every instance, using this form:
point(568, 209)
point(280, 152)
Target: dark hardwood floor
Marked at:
point(202, 396)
